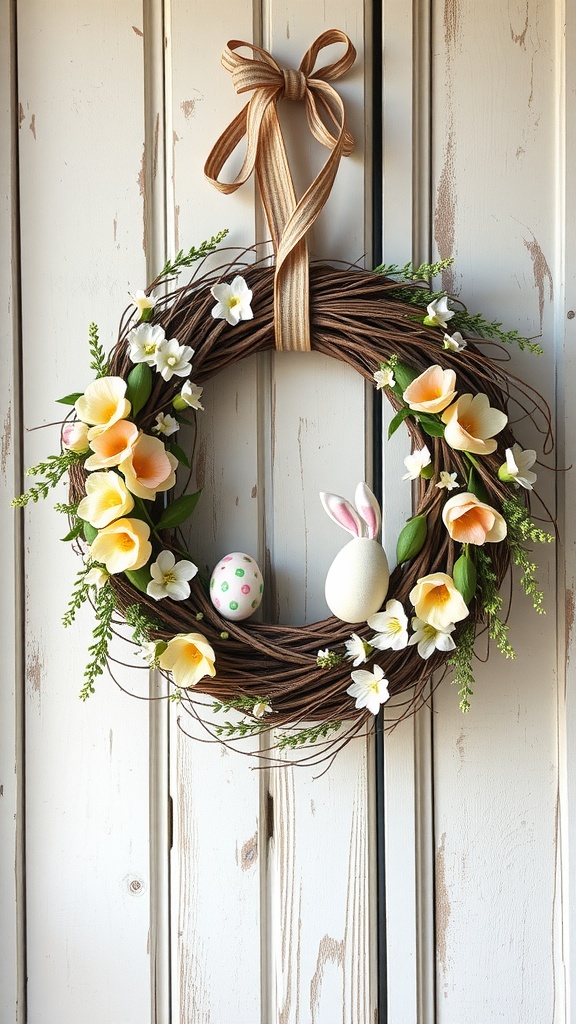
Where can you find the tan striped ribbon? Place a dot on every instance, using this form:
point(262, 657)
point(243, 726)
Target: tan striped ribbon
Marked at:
point(288, 219)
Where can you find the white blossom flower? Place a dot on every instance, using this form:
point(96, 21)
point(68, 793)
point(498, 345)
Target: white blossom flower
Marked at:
point(169, 577)
point(391, 627)
point(369, 689)
point(517, 468)
point(357, 650)
point(165, 424)
point(438, 313)
point(144, 342)
point(448, 480)
point(416, 462)
point(384, 378)
point(261, 708)
point(232, 301)
point(143, 303)
point(190, 395)
point(96, 577)
point(430, 639)
point(173, 359)
point(454, 342)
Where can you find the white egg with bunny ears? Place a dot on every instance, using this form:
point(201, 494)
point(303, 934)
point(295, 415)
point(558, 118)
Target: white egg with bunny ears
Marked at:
point(357, 581)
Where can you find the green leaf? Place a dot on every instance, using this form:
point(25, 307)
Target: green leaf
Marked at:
point(397, 420)
point(70, 399)
point(178, 511)
point(139, 387)
point(412, 539)
point(179, 453)
point(139, 578)
point(75, 531)
point(431, 426)
point(404, 374)
point(90, 532)
point(464, 576)
point(477, 488)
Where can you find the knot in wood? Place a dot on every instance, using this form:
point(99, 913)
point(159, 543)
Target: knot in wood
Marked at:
point(294, 84)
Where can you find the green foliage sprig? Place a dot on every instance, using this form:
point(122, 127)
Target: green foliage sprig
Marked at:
point(477, 326)
point(311, 735)
point(53, 469)
point(99, 362)
point(491, 602)
point(461, 661)
point(143, 625)
point(105, 606)
point(242, 703)
point(80, 594)
point(521, 529)
point(186, 259)
point(240, 729)
point(424, 272)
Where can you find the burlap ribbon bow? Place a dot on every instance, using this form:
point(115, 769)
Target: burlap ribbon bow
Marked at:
point(288, 219)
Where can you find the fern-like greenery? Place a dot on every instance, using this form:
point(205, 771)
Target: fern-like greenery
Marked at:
point(52, 471)
point(477, 326)
point(522, 529)
point(105, 606)
point(311, 735)
point(99, 361)
point(185, 259)
point(243, 703)
point(491, 602)
point(461, 661)
point(80, 594)
point(143, 625)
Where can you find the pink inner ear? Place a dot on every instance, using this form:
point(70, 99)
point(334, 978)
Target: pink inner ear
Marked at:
point(347, 519)
point(369, 517)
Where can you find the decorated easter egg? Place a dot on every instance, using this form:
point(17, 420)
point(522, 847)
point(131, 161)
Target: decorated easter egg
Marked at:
point(357, 580)
point(236, 586)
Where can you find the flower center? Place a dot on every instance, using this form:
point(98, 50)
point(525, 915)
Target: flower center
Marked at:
point(234, 301)
point(149, 348)
point(172, 360)
point(125, 541)
point(441, 594)
point(169, 577)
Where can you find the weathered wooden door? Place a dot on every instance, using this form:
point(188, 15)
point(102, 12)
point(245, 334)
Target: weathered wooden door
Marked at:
point(270, 899)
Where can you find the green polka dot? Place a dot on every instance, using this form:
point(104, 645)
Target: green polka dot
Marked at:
point(261, 587)
point(224, 586)
point(246, 559)
point(254, 604)
point(239, 572)
point(233, 606)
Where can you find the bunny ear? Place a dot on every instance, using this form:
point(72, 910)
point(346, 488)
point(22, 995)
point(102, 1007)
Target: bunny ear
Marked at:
point(343, 513)
point(369, 509)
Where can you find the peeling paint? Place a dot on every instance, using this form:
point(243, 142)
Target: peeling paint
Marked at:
point(541, 273)
point(138, 31)
point(188, 107)
point(254, 492)
point(35, 668)
point(115, 229)
point(442, 904)
point(329, 951)
point(451, 22)
point(21, 115)
point(142, 190)
point(445, 213)
point(32, 125)
point(6, 441)
point(520, 37)
point(249, 852)
point(569, 610)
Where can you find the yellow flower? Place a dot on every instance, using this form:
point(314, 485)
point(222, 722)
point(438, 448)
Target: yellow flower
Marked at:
point(437, 601)
point(122, 545)
point(432, 391)
point(112, 445)
point(471, 423)
point(148, 467)
point(103, 403)
point(470, 521)
point(189, 657)
point(107, 499)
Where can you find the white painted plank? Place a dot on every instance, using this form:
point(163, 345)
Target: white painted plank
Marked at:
point(81, 139)
point(218, 838)
point(496, 771)
point(12, 968)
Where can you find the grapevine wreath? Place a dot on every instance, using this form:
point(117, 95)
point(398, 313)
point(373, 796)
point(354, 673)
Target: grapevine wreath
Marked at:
point(443, 372)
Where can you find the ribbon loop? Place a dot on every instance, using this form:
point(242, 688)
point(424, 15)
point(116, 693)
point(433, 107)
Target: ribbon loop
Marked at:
point(289, 220)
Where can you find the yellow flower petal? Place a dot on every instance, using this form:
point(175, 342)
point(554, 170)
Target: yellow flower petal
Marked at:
point(432, 391)
point(189, 657)
point(471, 521)
point(122, 545)
point(149, 468)
point(104, 402)
point(471, 423)
point(437, 601)
point(107, 499)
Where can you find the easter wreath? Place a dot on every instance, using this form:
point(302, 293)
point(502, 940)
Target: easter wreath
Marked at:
point(426, 353)
point(418, 347)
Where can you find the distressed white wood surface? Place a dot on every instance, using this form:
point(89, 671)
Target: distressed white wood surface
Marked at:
point(82, 226)
point(495, 167)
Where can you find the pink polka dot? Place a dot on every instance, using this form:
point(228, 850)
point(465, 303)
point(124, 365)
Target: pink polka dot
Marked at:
point(245, 589)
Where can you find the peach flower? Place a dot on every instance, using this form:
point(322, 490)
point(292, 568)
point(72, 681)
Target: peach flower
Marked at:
point(471, 423)
point(437, 601)
point(432, 391)
point(470, 521)
point(149, 468)
point(122, 545)
point(113, 445)
point(103, 403)
point(106, 499)
point(189, 657)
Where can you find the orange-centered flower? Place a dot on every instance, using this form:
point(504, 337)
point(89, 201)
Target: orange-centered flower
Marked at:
point(122, 545)
point(103, 403)
point(471, 424)
point(106, 499)
point(437, 601)
point(148, 467)
point(189, 657)
point(470, 521)
point(112, 446)
point(432, 391)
